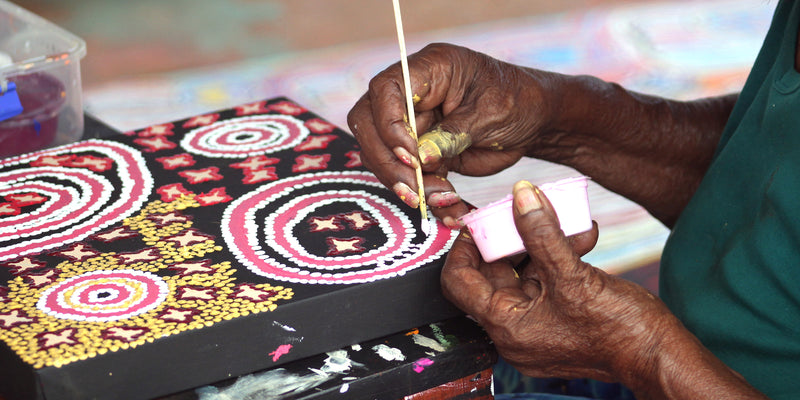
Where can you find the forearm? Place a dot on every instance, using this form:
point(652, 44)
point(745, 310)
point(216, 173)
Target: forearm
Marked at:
point(680, 367)
point(651, 150)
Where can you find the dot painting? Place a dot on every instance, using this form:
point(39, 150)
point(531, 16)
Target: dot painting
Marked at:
point(108, 245)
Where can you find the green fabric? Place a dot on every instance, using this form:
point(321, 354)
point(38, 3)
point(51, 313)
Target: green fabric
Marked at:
point(731, 267)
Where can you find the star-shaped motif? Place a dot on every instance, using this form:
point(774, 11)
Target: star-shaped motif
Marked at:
point(14, 318)
point(317, 125)
point(177, 161)
point(145, 255)
point(157, 130)
point(155, 144)
point(337, 246)
point(320, 224)
point(214, 196)
point(78, 252)
point(9, 209)
point(172, 192)
point(259, 175)
point(196, 293)
point(354, 159)
point(307, 162)
point(24, 265)
point(359, 220)
point(125, 334)
point(96, 164)
point(195, 176)
point(252, 108)
point(287, 108)
point(177, 315)
point(315, 143)
point(192, 267)
point(25, 199)
point(256, 162)
point(115, 234)
point(253, 293)
point(189, 237)
point(168, 218)
point(201, 120)
point(42, 278)
point(54, 339)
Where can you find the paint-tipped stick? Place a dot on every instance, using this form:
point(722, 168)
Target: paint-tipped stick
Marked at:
point(412, 121)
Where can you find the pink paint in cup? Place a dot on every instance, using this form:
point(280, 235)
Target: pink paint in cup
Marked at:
point(492, 227)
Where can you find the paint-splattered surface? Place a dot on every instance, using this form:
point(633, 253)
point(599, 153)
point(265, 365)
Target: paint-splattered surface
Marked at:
point(390, 367)
point(181, 236)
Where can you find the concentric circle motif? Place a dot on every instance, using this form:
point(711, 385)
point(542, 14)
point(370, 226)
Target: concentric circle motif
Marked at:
point(74, 202)
point(269, 230)
point(245, 136)
point(101, 296)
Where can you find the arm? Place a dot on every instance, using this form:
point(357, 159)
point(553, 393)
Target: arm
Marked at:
point(560, 317)
point(652, 150)
point(649, 149)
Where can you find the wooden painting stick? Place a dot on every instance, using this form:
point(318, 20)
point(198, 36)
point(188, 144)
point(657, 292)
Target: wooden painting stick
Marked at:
point(423, 207)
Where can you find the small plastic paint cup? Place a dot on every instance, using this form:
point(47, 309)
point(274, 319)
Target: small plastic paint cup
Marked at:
point(493, 229)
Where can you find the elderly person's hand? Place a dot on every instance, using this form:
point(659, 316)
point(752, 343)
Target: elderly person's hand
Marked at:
point(561, 317)
point(653, 151)
point(495, 106)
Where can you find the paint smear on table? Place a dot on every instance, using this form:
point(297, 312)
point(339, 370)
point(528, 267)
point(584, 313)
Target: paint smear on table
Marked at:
point(284, 327)
point(448, 341)
point(337, 362)
point(389, 353)
point(425, 341)
point(279, 383)
point(272, 384)
point(421, 364)
point(281, 350)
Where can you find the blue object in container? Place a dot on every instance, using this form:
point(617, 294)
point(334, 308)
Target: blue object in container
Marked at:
point(9, 101)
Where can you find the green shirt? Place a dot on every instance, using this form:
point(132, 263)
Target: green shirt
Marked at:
point(731, 267)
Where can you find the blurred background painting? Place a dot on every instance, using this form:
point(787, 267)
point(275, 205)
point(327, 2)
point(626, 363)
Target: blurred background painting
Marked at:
point(153, 61)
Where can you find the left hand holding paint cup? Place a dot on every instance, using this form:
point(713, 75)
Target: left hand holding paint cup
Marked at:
point(493, 229)
point(558, 316)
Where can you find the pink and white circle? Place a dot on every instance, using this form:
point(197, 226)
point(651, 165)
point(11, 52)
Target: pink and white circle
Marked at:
point(264, 232)
point(101, 296)
point(78, 201)
point(245, 136)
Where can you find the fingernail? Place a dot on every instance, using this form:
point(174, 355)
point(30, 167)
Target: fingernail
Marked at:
point(406, 157)
point(452, 223)
point(429, 152)
point(405, 194)
point(525, 197)
point(443, 199)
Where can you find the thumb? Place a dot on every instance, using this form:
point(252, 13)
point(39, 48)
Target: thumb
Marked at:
point(552, 255)
point(439, 143)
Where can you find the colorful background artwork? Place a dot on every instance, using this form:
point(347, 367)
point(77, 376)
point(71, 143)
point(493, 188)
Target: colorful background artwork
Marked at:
point(680, 49)
point(112, 244)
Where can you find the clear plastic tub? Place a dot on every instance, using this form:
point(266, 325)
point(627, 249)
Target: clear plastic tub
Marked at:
point(43, 61)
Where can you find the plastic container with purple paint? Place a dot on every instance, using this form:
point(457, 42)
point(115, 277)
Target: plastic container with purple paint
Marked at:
point(43, 61)
point(493, 229)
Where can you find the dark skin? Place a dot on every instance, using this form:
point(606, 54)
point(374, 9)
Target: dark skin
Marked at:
point(558, 316)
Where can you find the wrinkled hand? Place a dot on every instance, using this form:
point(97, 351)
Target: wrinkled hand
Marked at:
point(499, 105)
point(558, 317)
